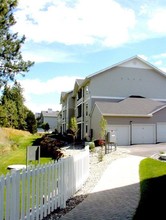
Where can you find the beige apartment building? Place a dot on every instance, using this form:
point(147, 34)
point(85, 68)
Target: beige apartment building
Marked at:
point(130, 95)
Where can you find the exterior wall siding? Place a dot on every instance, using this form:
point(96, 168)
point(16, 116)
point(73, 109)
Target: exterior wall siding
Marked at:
point(96, 116)
point(95, 119)
point(157, 117)
point(114, 85)
point(52, 121)
point(124, 82)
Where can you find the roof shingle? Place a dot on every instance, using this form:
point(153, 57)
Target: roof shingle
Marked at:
point(136, 107)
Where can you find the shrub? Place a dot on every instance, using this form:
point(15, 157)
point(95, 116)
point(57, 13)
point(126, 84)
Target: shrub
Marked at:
point(92, 146)
point(99, 142)
point(50, 147)
point(57, 154)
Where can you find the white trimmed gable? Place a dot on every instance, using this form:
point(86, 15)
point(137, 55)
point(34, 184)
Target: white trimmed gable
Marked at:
point(135, 63)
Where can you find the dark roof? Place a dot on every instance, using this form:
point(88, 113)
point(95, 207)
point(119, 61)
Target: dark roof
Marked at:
point(136, 107)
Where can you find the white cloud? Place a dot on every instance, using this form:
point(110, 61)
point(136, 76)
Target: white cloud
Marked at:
point(84, 22)
point(157, 22)
point(47, 55)
point(159, 56)
point(159, 61)
point(57, 85)
point(143, 56)
point(34, 89)
point(38, 107)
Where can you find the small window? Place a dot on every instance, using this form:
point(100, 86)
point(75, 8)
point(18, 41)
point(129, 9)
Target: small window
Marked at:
point(86, 109)
point(86, 128)
point(87, 90)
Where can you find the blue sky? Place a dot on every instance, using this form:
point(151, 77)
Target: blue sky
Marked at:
point(71, 39)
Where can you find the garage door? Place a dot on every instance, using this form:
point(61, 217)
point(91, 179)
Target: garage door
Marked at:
point(161, 132)
point(143, 134)
point(122, 133)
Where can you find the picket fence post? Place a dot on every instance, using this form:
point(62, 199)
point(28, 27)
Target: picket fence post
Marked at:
point(33, 193)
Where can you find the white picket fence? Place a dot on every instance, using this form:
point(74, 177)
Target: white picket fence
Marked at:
point(35, 193)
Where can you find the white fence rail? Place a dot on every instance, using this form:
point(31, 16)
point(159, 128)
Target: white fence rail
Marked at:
point(35, 193)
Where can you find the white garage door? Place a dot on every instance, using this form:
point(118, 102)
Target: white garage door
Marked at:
point(161, 132)
point(122, 133)
point(143, 134)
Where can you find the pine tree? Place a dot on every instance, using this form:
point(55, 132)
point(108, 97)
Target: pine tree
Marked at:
point(18, 99)
point(13, 112)
point(31, 122)
point(11, 60)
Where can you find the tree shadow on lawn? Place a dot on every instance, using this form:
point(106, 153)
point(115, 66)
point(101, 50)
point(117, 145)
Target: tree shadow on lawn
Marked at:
point(152, 202)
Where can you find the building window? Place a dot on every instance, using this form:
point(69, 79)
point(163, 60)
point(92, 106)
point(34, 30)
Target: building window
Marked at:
point(87, 89)
point(86, 109)
point(64, 115)
point(79, 111)
point(79, 94)
point(86, 129)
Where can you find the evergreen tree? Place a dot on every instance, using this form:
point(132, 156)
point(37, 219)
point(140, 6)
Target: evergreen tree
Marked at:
point(11, 60)
point(31, 122)
point(2, 116)
point(13, 112)
point(10, 119)
point(18, 99)
point(45, 127)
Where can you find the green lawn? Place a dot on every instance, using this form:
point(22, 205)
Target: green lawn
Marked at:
point(18, 156)
point(153, 190)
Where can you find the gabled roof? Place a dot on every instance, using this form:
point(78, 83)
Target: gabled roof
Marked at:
point(64, 95)
point(125, 61)
point(77, 85)
point(50, 113)
point(79, 81)
point(130, 107)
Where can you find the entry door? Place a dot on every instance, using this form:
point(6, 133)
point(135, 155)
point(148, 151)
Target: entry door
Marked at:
point(143, 134)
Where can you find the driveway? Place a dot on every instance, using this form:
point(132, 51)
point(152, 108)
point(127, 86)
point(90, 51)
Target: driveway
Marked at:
point(144, 150)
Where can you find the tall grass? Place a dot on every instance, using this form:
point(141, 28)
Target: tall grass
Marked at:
point(10, 139)
point(13, 145)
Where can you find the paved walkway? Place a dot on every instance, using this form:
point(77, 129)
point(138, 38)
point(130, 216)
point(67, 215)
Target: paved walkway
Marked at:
point(115, 197)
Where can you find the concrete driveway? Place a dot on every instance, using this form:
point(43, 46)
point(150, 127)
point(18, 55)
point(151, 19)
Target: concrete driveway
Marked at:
point(144, 150)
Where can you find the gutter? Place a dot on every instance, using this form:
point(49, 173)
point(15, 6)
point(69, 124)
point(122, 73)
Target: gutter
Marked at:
point(125, 115)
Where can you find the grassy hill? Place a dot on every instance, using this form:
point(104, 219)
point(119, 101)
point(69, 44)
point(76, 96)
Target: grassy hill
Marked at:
point(13, 145)
point(10, 139)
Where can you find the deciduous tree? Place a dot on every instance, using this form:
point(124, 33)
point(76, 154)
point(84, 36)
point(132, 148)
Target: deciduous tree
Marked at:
point(73, 127)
